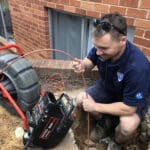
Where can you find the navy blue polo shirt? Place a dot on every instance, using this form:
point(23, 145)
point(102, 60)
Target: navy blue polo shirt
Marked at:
point(128, 77)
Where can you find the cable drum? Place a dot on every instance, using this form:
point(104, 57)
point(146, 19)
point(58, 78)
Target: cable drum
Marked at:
point(20, 80)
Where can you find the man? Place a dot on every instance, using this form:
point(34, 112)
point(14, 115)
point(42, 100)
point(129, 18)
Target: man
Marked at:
point(123, 87)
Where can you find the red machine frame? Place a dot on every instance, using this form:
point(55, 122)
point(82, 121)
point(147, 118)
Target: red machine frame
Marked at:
point(6, 94)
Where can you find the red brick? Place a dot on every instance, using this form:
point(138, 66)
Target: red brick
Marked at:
point(130, 21)
point(114, 2)
point(141, 41)
point(76, 3)
point(28, 4)
point(80, 11)
point(129, 3)
point(65, 2)
point(148, 15)
point(60, 7)
point(147, 34)
point(142, 23)
point(146, 51)
point(69, 9)
point(139, 32)
point(136, 13)
point(101, 7)
point(87, 5)
point(92, 14)
point(50, 5)
point(35, 16)
point(97, 1)
point(145, 4)
point(120, 10)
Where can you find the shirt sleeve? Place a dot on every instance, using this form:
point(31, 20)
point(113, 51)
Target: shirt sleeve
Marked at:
point(136, 88)
point(92, 55)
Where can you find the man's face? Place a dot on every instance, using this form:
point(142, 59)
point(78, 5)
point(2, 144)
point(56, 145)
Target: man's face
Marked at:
point(108, 48)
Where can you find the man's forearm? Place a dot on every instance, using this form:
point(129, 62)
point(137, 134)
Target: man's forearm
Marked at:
point(117, 108)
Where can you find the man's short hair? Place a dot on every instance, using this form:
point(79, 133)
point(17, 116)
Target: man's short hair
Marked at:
point(117, 23)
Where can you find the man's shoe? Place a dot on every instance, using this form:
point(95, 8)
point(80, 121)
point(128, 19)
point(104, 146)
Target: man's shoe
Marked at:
point(104, 127)
point(97, 133)
point(109, 144)
point(114, 146)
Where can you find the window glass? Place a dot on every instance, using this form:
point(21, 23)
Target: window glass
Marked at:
point(130, 33)
point(69, 33)
point(5, 21)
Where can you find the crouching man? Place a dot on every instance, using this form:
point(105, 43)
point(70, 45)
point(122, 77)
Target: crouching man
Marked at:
point(123, 87)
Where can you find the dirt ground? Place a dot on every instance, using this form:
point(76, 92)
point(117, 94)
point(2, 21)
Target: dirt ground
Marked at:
point(8, 141)
point(9, 122)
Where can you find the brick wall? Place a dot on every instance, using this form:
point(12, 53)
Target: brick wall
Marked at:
point(30, 24)
point(49, 68)
point(30, 19)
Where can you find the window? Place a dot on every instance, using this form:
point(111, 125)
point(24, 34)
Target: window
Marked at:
point(70, 33)
point(5, 21)
point(73, 34)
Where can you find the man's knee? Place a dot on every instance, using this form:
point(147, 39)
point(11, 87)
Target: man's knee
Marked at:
point(128, 124)
point(123, 131)
point(126, 127)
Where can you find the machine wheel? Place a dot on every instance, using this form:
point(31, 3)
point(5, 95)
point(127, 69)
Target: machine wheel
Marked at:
point(21, 81)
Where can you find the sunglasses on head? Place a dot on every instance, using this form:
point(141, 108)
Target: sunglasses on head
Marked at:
point(106, 26)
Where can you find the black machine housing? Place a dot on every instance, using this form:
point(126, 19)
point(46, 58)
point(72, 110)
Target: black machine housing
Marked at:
point(49, 121)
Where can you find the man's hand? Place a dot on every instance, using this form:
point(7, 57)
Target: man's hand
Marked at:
point(89, 104)
point(80, 98)
point(78, 66)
